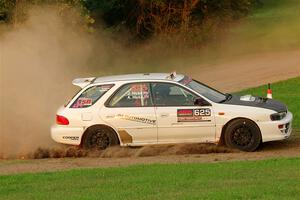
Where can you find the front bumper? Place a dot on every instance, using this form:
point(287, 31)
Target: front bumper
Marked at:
point(66, 135)
point(270, 130)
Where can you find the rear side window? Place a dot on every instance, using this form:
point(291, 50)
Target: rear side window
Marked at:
point(90, 96)
point(132, 95)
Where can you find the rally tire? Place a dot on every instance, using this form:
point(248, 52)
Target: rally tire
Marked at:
point(99, 138)
point(243, 134)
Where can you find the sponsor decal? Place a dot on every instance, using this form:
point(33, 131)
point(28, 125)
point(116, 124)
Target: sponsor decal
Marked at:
point(193, 115)
point(71, 137)
point(138, 91)
point(136, 119)
point(82, 102)
point(85, 101)
point(184, 112)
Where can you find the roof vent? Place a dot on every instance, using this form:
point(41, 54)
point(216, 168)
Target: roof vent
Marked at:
point(172, 76)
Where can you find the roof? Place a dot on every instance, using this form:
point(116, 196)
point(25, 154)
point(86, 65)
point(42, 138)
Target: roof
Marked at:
point(127, 77)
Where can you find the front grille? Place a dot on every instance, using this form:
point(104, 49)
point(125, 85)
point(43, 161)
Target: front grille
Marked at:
point(285, 128)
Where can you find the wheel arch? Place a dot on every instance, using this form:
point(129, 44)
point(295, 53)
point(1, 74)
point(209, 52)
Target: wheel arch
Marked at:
point(222, 137)
point(94, 126)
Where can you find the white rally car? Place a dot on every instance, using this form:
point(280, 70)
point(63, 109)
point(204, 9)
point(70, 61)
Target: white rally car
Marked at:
point(159, 108)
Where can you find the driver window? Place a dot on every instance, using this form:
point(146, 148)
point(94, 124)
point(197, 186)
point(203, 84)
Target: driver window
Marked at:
point(167, 94)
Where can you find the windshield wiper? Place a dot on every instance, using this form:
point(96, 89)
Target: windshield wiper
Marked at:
point(227, 97)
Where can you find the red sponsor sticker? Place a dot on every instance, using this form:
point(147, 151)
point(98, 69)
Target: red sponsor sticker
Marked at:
point(139, 87)
point(82, 102)
point(85, 101)
point(184, 112)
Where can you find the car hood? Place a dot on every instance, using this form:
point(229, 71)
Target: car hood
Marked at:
point(259, 102)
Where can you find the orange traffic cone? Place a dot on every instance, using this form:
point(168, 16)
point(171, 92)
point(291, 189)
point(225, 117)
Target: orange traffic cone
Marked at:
point(269, 93)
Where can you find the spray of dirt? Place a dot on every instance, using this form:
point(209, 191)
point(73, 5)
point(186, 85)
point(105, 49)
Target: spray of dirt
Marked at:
point(121, 152)
point(38, 60)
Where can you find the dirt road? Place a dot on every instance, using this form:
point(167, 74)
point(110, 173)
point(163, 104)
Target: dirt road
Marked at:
point(278, 149)
point(250, 71)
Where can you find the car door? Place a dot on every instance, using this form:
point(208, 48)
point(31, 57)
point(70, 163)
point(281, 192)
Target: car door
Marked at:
point(178, 119)
point(131, 112)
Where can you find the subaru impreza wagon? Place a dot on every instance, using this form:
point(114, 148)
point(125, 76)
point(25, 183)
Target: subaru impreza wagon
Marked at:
point(161, 108)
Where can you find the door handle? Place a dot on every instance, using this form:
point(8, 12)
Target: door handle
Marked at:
point(164, 115)
point(177, 123)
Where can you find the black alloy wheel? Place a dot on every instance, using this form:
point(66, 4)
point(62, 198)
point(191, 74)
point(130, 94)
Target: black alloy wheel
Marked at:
point(99, 138)
point(243, 134)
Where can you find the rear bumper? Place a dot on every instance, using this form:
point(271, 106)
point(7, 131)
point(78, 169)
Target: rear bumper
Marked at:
point(66, 135)
point(271, 132)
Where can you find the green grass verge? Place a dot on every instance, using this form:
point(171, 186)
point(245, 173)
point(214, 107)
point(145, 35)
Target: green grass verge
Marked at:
point(267, 179)
point(277, 24)
point(287, 91)
point(272, 27)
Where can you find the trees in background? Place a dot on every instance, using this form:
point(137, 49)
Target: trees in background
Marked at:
point(165, 16)
point(6, 10)
point(184, 20)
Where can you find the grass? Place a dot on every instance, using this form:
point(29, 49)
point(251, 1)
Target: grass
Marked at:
point(271, 27)
point(287, 91)
point(267, 179)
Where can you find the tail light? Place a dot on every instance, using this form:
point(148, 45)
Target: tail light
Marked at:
point(61, 120)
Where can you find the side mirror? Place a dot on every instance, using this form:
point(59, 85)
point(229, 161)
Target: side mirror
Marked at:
point(201, 102)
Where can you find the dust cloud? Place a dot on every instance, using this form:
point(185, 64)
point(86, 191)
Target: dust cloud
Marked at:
point(38, 60)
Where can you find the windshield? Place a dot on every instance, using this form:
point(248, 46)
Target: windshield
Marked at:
point(204, 90)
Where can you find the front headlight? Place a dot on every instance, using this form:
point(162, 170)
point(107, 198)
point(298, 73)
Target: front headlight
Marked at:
point(278, 116)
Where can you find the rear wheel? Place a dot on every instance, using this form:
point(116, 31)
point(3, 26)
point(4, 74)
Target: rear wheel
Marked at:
point(99, 138)
point(243, 134)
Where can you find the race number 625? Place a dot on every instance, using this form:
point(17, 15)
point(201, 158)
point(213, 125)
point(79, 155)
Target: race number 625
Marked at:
point(202, 112)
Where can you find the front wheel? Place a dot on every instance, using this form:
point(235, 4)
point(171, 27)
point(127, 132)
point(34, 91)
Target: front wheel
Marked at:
point(243, 134)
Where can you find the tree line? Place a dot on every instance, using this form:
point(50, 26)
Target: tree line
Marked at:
point(194, 20)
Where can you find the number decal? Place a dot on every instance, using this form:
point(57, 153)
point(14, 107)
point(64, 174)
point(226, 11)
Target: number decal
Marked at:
point(202, 112)
point(193, 115)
